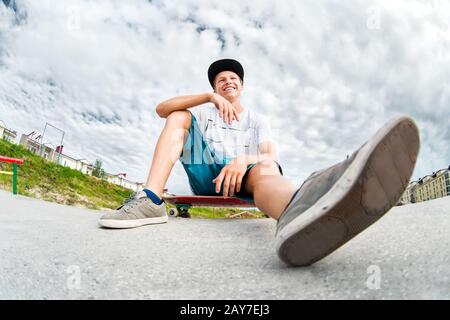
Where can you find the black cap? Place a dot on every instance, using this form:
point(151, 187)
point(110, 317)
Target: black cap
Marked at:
point(224, 65)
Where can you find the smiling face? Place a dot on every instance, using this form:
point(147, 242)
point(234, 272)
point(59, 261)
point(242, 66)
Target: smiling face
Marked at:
point(228, 85)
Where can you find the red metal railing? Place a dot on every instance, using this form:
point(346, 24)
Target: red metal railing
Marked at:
point(15, 163)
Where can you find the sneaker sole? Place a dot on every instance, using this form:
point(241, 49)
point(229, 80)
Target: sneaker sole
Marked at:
point(124, 224)
point(371, 186)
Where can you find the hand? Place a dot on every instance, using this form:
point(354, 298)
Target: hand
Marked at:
point(226, 110)
point(231, 175)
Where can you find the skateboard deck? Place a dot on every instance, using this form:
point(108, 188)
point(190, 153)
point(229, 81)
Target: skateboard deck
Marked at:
point(184, 202)
point(208, 201)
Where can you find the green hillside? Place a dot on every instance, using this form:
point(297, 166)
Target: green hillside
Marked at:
point(45, 180)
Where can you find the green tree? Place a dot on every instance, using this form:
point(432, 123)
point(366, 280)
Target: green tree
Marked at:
point(98, 170)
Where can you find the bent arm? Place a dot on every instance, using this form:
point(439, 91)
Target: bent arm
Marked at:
point(182, 103)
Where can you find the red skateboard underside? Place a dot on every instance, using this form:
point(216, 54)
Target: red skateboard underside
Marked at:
point(208, 201)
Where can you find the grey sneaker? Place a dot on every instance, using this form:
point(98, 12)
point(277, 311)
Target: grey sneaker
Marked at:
point(138, 210)
point(335, 204)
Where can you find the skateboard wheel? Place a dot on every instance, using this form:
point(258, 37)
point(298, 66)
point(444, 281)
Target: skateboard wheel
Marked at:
point(173, 212)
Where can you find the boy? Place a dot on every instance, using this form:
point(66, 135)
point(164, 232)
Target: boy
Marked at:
point(227, 149)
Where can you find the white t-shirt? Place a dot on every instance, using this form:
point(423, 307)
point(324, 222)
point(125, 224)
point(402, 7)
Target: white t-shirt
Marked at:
point(240, 138)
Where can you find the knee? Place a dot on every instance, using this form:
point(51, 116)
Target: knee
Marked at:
point(180, 118)
point(266, 167)
point(263, 169)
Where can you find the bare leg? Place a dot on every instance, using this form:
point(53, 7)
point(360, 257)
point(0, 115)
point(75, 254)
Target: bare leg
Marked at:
point(168, 150)
point(271, 191)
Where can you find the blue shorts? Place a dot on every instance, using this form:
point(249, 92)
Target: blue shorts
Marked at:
point(202, 165)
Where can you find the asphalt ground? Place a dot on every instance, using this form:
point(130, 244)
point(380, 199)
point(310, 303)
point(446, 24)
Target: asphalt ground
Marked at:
point(51, 251)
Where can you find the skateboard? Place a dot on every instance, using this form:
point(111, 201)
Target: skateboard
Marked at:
point(183, 203)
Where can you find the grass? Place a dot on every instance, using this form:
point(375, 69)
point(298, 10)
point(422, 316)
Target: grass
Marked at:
point(42, 179)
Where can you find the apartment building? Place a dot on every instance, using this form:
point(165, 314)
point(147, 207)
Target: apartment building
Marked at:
point(120, 179)
point(433, 186)
point(7, 134)
point(407, 196)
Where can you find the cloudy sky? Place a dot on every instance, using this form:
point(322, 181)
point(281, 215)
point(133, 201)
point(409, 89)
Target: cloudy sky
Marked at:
point(327, 73)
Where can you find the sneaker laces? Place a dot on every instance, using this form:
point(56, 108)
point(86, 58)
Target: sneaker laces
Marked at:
point(130, 201)
point(130, 198)
point(127, 203)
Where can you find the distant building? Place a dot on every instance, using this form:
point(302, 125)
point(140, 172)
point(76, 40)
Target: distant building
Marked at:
point(7, 134)
point(407, 196)
point(33, 144)
point(433, 186)
point(436, 185)
point(77, 164)
point(120, 179)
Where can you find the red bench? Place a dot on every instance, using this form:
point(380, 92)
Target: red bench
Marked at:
point(15, 163)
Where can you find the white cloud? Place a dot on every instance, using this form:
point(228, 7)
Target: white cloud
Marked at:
point(327, 73)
